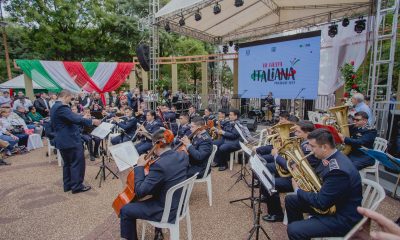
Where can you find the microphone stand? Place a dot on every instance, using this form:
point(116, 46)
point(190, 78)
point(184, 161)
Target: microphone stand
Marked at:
point(298, 94)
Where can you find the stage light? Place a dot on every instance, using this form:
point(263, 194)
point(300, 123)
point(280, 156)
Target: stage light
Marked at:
point(197, 15)
point(239, 3)
point(237, 47)
point(360, 25)
point(345, 22)
point(333, 30)
point(230, 43)
point(167, 27)
point(182, 21)
point(225, 49)
point(217, 8)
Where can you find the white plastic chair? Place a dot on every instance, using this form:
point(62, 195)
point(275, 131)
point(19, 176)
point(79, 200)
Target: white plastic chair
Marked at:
point(50, 149)
point(182, 211)
point(263, 137)
point(373, 195)
point(312, 116)
point(380, 144)
point(207, 177)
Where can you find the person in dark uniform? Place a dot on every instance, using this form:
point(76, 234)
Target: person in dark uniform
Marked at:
point(150, 127)
point(219, 123)
point(284, 184)
point(199, 148)
point(208, 114)
point(89, 139)
point(229, 142)
point(184, 127)
point(192, 113)
point(169, 170)
point(128, 126)
point(169, 118)
point(361, 135)
point(66, 125)
point(341, 187)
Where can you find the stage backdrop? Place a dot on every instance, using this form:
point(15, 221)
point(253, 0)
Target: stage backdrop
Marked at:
point(286, 66)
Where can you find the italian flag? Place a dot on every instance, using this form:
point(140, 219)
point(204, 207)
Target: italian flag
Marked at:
point(98, 77)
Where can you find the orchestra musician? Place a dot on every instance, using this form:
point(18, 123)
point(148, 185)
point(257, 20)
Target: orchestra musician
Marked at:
point(168, 170)
point(184, 127)
point(341, 187)
point(169, 118)
point(192, 113)
point(208, 114)
point(89, 139)
point(150, 126)
point(284, 184)
point(362, 135)
point(229, 141)
point(199, 148)
point(128, 125)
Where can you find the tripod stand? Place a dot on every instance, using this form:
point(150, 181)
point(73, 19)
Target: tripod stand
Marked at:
point(243, 172)
point(102, 171)
point(256, 222)
point(251, 198)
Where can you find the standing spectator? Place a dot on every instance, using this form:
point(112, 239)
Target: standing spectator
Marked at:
point(113, 99)
point(134, 99)
point(84, 100)
point(42, 105)
point(53, 99)
point(225, 102)
point(22, 101)
point(5, 99)
point(359, 106)
point(97, 100)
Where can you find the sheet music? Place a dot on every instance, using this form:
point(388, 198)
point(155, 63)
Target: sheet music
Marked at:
point(241, 133)
point(124, 154)
point(245, 149)
point(264, 175)
point(102, 130)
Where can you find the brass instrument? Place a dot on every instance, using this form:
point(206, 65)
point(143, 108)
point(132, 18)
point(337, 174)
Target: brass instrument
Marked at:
point(341, 124)
point(303, 173)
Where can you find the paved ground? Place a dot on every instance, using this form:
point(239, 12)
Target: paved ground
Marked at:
point(33, 205)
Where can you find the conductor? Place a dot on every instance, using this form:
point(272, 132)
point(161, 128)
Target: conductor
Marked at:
point(66, 126)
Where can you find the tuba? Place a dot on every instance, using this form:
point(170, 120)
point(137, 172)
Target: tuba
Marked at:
point(280, 141)
point(341, 124)
point(303, 173)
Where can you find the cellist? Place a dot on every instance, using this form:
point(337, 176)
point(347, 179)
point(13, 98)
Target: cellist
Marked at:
point(199, 148)
point(169, 169)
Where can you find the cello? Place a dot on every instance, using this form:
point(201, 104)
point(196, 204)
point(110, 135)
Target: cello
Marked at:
point(128, 194)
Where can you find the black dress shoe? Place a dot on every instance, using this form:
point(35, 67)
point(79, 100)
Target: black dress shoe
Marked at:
point(158, 235)
point(2, 162)
point(214, 164)
point(272, 218)
point(67, 190)
point(222, 168)
point(84, 189)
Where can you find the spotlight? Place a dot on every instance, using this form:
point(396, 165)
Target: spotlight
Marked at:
point(225, 49)
point(360, 25)
point(345, 22)
point(230, 43)
point(217, 8)
point(182, 21)
point(237, 47)
point(239, 3)
point(197, 15)
point(333, 30)
point(167, 27)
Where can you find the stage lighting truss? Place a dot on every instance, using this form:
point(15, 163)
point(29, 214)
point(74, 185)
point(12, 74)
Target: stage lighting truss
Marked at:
point(239, 3)
point(182, 21)
point(225, 49)
point(237, 47)
point(333, 30)
point(359, 26)
point(345, 22)
point(197, 15)
point(217, 8)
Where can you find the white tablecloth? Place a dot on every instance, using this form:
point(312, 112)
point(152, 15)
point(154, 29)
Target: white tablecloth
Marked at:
point(34, 141)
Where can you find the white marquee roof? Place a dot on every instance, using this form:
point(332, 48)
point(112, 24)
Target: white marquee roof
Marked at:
point(18, 82)
point(256, 18)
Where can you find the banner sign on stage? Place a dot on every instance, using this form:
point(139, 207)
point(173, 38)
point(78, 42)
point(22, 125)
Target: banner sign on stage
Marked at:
point(286, 66)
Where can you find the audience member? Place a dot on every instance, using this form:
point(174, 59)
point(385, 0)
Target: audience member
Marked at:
point(5, 99)
point(22, 101)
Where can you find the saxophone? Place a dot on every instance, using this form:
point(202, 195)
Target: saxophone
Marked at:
point(341, 124)
point(303, 173)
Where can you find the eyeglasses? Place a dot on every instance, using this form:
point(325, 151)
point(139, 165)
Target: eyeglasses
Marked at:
point(357, 119)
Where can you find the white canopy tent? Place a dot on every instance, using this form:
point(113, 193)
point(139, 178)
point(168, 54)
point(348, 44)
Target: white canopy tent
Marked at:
point(18, 82)
point(255, 19)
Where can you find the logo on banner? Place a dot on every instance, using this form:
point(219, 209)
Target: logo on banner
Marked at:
point(276, 72)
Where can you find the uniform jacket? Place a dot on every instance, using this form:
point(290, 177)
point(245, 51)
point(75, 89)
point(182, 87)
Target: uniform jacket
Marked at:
point(360, 137)
point(231, 135)
point(66, 125)
point(151, 128)
point(129, 126)
point(169, 170)
point(199, 152)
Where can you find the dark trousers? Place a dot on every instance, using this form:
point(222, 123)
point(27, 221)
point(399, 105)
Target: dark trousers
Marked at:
point(361, 161)
point(316, 226)
point(22, 139)
point(223, 153)
point(89, 140)
point(119, 139)
point(143, 147)
point(74, 168)
point(282, 185)
point(264, 150)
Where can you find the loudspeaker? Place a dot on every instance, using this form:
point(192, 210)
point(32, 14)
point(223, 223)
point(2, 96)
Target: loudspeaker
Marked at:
point(143, 55)
point(251, 124)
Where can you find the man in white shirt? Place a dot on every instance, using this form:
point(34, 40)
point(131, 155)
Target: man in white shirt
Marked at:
point(22, 101)
point(360, 106)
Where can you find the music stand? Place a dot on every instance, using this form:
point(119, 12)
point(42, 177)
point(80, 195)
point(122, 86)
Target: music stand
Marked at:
point(102, 132)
